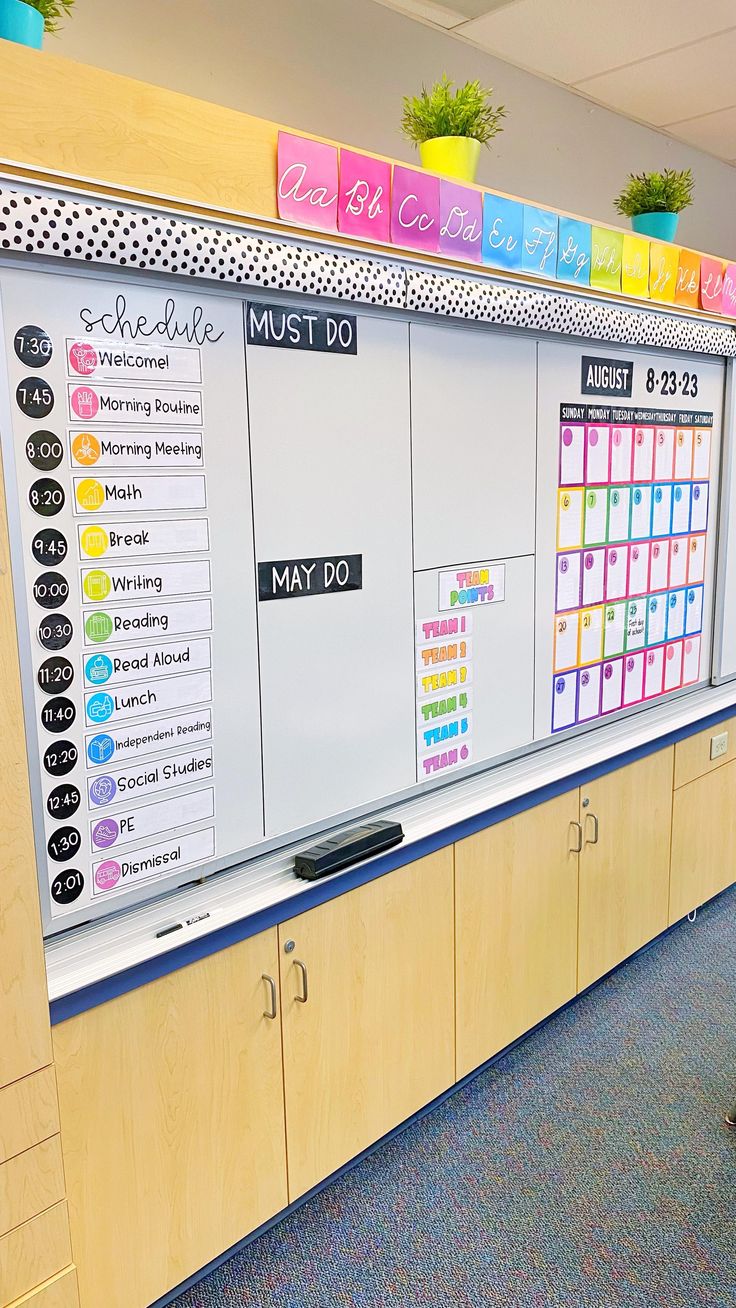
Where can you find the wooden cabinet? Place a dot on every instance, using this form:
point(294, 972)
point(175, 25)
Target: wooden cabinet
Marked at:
point(624, 866)
point(59, 1291)
point(33, 1252)
point(172, 1119)
point(29, 1113)
point(703, 840)
point(516, 921)
point(368, 1029)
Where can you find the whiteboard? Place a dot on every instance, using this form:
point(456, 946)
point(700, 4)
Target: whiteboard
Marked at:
point(626, 529)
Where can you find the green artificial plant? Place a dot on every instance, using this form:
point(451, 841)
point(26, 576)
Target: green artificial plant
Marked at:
point(440, 111)
point(666, 192)
point(54, 12)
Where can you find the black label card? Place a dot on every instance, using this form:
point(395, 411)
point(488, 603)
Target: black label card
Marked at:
point(606, 376)
point(296, 578)
point(287, 328)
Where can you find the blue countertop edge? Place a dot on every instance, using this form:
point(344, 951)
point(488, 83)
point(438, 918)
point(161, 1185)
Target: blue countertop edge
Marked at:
point(101, 992)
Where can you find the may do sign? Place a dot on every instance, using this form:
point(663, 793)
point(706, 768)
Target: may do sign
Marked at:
point(297, 578)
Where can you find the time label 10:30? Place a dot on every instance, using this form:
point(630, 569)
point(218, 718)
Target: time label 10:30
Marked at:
point(670, 382)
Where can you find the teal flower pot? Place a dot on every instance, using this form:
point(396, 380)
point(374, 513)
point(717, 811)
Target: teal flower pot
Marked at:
point(660, 226)
point(21, 22)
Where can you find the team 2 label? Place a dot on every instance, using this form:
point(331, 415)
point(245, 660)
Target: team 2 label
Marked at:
point(287, 328)
point(294, 578)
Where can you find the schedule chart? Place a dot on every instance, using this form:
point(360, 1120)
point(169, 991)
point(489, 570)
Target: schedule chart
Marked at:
point(632, 519)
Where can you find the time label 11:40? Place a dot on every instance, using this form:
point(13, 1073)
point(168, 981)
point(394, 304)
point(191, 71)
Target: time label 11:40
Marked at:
point(670, 382)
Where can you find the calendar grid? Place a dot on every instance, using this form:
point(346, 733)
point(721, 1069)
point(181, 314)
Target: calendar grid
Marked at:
point(632, 521)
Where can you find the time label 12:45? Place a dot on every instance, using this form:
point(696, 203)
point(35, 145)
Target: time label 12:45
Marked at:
point(670, 382)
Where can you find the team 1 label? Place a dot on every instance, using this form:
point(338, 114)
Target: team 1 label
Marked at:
point(294, 578)
point(286, 328)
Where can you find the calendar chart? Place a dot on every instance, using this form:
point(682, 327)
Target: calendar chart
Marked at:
point(633, 505)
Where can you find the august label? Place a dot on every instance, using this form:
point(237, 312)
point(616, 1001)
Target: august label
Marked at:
point(606, 376)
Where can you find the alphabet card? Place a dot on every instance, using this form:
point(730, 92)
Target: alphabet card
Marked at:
point(573, 252)
point(687, 288)
point(664, 262)
point(728, 301)
point(606, 259)
point(635, 266)
point(711, 284)
point(539, 249)
point(503, 232)
point(307, 185)
point(461, 221)
point(415, 209)
point(364, 203)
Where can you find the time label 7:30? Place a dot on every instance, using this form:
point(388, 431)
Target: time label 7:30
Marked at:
point(670, 382)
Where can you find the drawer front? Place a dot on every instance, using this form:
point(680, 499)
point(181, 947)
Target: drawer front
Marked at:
point(33, 1253)
point(60, 1292)
point(692, 756)
point(30, 1183)
point(29, 1113)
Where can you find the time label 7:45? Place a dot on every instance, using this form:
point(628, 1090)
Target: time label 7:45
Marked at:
point(670, 382)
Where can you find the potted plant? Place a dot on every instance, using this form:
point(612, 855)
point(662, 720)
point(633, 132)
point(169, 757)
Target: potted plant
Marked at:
point(449, 126)
point(654, 201)
point(25, 21)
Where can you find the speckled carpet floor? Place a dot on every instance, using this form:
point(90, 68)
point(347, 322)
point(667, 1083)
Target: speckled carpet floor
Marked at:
point(588, 1168)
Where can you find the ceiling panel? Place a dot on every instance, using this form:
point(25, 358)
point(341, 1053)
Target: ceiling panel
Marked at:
point(574, 39)
point(713, 132)
point(670, 87)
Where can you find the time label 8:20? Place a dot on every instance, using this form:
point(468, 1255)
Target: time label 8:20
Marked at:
point(669, 382)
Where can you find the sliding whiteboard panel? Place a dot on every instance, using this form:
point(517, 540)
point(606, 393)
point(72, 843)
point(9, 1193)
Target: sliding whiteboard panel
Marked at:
point(332, 486)
point(473, 412)
point(627, 507)
point(724, 650)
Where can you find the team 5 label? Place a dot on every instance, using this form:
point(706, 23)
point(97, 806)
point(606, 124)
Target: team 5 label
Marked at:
point(294, 578)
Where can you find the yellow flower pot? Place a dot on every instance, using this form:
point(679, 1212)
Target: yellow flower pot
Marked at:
point(451, 156)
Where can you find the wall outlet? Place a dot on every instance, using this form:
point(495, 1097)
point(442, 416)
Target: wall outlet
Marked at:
point(719, 745)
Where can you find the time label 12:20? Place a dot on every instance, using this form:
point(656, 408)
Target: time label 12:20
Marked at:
point(670, 382)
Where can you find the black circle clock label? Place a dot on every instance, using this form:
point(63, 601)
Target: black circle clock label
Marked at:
point(67, 886)
point(58, 714)
point(46, 497)
point(60, 758)
point(33, 346)
point(55, 675)
point(55, 631)
point(63, 844)
point(49, 546)
point(51, 590)
point(44, 451)
point(34, 397)
point(64, 800)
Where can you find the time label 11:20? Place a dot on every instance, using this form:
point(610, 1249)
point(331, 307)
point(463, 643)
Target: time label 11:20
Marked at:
point(669, 382)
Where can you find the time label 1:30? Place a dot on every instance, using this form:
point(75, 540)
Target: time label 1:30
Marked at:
point(670, 382)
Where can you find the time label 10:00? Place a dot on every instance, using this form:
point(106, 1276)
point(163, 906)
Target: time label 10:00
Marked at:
point(669, 382)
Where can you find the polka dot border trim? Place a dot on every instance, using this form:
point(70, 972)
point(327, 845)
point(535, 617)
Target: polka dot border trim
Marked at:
point(569, 315)
point(32, 223)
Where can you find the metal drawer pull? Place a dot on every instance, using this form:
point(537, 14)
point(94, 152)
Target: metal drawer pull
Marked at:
point(273, 1011)
point(304, 996)
point(591, 817)
point(576, 849)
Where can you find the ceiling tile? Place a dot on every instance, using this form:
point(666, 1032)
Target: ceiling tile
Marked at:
point(442, 15)
point(713, 132)
point(697, 79)
point(574, 39)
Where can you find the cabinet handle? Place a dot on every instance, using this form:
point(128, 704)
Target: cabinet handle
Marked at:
point(304, 996)
point(591, 817)
point(271, 1012)
point(577, 849)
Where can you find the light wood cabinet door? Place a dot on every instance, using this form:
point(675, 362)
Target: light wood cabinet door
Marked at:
point(624, 866)
point(516, 925)
point(172, 1120)
point(703, 840)
point(374, 1041)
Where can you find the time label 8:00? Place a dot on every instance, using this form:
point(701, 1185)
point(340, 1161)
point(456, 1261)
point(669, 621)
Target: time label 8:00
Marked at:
point(668, 382)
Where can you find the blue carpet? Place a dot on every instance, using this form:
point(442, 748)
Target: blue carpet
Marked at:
point(587, 1168)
